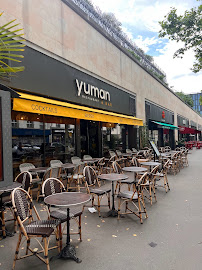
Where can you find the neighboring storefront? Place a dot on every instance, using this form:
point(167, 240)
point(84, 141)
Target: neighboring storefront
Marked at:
point(160, 122)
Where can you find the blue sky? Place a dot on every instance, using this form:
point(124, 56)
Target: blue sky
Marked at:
point(139, 20)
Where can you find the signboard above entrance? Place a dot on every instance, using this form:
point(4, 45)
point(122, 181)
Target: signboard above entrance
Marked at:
point(70, 84)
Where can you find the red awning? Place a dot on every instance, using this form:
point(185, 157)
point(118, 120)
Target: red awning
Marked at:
point(186, 130)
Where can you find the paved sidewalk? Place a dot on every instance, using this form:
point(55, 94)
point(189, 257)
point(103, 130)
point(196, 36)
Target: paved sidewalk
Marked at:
point(174, 227)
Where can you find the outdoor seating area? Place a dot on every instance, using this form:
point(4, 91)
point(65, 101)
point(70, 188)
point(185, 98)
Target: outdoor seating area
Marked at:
point(132, 179)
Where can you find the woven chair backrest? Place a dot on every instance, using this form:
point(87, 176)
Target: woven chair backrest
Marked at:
point(142, 181)
point(52, 186)
point(153, 172)
point(47, 174)
point(21, 203)
point(113, 158)
point(24, 167)
point(118, 153)
point(24, 178)
point(135, 162)
point(55, 163)
point(134, 150)
point(128, 151)
point(90, 175)
point(116, 167)
point(76, 160)
point(87, 157)
point(112, 153)
point(55, 172)
point(101, 161)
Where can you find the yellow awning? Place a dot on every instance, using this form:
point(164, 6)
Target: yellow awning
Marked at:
point(41, 105)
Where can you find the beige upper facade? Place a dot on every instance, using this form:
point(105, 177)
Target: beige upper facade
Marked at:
point(52, 27)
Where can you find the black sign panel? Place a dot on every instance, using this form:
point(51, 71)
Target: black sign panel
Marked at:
point(46, 76)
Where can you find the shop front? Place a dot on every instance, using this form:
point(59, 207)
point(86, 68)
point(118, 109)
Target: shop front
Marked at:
point(69, 113)
point(160, 122)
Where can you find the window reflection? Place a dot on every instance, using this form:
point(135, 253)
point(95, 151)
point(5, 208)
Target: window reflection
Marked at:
point(37, 139)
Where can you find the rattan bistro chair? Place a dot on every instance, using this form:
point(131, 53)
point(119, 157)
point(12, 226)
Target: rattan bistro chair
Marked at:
point(117, 169)
point(52, 186)
point(24, 178)
point(149, 186)
point(163, 175)
point(94, 188)
point(135, 199)
point(30, 228)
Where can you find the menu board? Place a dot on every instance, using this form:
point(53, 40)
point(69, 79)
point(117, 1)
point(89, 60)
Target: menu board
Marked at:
point(153, 145)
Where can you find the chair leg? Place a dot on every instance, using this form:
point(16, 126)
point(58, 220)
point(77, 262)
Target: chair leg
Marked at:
point(150, 194)
point(143, 203)
point(3, 225)
point(28, 244)
point(154, 191)
point(46, 252)
point(80, 228)
point(109, 200)
point(60, 236)
point(98, 204)
point(38, 192)
point(17, 250)
point(119, 208)
point(140, 210)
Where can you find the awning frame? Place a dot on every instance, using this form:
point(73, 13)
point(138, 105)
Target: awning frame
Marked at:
point(168, 126)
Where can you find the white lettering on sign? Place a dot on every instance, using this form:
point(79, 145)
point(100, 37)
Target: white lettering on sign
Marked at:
point(92, 90)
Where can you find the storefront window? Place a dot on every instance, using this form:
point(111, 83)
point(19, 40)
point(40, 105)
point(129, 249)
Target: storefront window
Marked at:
point(112, 137)
point(38, 139)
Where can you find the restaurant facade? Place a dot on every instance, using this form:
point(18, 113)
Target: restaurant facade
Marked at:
point(82, 92)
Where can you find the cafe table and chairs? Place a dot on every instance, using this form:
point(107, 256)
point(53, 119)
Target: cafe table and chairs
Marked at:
point(53, 186)
point(128, 181)
point(66, 200)
point(95, 189)
point(113, 177)
point(32, 227)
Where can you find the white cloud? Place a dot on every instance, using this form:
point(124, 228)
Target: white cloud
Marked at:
point(144, 43)
point(178, 70)
point(144, 16)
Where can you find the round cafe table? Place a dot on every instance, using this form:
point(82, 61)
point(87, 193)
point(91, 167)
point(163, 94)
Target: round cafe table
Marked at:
point(112, 177)
point(150, 164)
point(68, 166)
point(134, 169)
point(38, 170)
point(66, 200)
point(90, 161)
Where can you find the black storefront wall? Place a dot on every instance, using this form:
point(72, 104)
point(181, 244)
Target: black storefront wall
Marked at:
point(183, 122)
point(44, 75)
point(55, 79)
point(157, 113)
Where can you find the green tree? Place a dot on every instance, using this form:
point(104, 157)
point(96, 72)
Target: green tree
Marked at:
point(187, 29)
point(10, 48)
point(186, 98)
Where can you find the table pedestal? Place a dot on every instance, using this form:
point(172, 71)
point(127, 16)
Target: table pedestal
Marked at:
point(113, 212)
point(69, 252)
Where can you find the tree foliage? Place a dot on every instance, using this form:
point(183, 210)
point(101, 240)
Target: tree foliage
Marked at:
point(10, 48)
point(186, 98)
point(187, 29)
